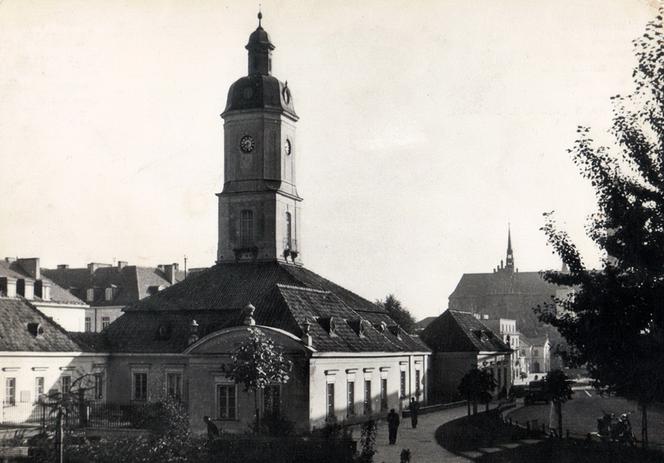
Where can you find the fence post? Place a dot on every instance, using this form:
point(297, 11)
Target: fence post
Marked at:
point(567, 433)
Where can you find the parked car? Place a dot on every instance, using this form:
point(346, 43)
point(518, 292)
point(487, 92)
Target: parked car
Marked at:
point(536, 392)
point(518, 391)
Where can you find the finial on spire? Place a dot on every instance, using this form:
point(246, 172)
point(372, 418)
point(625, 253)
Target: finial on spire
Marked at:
point(260, 15)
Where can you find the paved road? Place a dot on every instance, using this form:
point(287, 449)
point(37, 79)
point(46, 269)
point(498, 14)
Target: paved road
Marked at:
point(421, 441)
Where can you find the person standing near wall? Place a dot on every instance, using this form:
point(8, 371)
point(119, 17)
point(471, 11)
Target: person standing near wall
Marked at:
point(414, 408)
point(392, 426)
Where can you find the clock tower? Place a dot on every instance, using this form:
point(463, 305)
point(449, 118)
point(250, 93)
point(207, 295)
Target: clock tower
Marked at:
point(259, 207)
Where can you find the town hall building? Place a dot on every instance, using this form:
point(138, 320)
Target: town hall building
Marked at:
point(351, 361)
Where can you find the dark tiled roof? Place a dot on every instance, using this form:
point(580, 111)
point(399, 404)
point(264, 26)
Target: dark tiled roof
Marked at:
point(130, 282)
point(499, 283)
point(233, 286)
point(58, 294)
point(455, 331)
point(285, 296)
point(15, 315)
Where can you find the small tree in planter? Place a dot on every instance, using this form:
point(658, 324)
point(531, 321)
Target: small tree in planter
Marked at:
point(558, 388)
point(258, 363)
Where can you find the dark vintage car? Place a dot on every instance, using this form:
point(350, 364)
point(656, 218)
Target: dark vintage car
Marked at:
point(536, 392)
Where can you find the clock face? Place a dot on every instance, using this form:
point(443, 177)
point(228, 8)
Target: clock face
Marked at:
point(288, 147)
point(247, 144)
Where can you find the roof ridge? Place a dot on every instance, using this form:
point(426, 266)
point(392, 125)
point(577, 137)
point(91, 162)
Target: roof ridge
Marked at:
point(304, 288)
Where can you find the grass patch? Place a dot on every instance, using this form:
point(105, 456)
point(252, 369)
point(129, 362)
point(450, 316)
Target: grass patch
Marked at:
point(481, 430)
point(572, 451)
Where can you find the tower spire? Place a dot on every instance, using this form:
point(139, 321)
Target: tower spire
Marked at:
point(509, 258)
point(260, 15)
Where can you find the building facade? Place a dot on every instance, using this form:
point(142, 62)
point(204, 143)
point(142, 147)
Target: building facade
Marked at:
point(38, 356)
point(351, 361)
point(460, 342)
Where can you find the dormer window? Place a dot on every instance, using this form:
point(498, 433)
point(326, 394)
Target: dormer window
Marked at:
point(35, 329)
point(329, 324)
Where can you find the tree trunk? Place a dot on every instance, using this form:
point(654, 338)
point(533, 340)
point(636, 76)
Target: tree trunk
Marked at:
point(486, 407)
point(644, 425)
point(468, 405)
point(559, 413)
point(474, 407)
point(258, 417)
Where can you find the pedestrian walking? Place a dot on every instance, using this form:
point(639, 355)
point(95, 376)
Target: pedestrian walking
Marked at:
point(393, 426)
point(414, 408)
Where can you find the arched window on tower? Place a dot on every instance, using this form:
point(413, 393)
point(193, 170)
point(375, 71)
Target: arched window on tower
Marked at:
point(289, 231)
point(247, 227)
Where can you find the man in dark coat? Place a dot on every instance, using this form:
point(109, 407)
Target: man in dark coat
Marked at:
point(393, 426)
point(414, 408)
point(212, 429)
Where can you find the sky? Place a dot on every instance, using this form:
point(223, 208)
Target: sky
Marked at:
point(425, 128)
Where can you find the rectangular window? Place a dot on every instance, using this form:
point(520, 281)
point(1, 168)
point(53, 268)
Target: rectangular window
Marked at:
point(247, 227)
point(105, 321)
point(99, 386)
point(226, 402)
point(88, 324)
point(39, 386)
point(65, 384)
point(367, 397)
point(417, 384)
point(272, 400)
point(402, 386)
point(350, 398)
point(140, 389)
point(10, 391)
point(383, 394)
point(174, 385)
point(330, 400)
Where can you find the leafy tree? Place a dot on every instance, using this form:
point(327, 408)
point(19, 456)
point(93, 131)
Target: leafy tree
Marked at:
point(557, 387)
point(398, 312)
point(614, 321)
point(258, 363)
point(476, 387)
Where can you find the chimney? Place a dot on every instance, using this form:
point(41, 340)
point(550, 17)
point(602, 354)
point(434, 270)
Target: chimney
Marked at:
point(122, 264)
point(170, 271)
point(43, 290)
point(30, 266)
point(306, 337)
point(92, 266)
point(8, 286)
point(25, 288)
point(63, 266)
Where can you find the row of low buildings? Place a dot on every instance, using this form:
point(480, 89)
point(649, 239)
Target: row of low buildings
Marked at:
point(143, 334)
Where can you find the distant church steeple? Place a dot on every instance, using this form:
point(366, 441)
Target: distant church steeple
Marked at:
point(509, 258)
point(508, 266)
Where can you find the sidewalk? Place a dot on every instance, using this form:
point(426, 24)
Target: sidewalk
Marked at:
point(421, 441)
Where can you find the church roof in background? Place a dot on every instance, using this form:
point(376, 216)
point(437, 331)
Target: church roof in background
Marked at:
point(285, 296)
point(456, 331)
point(498, 283)
point(23, 328)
